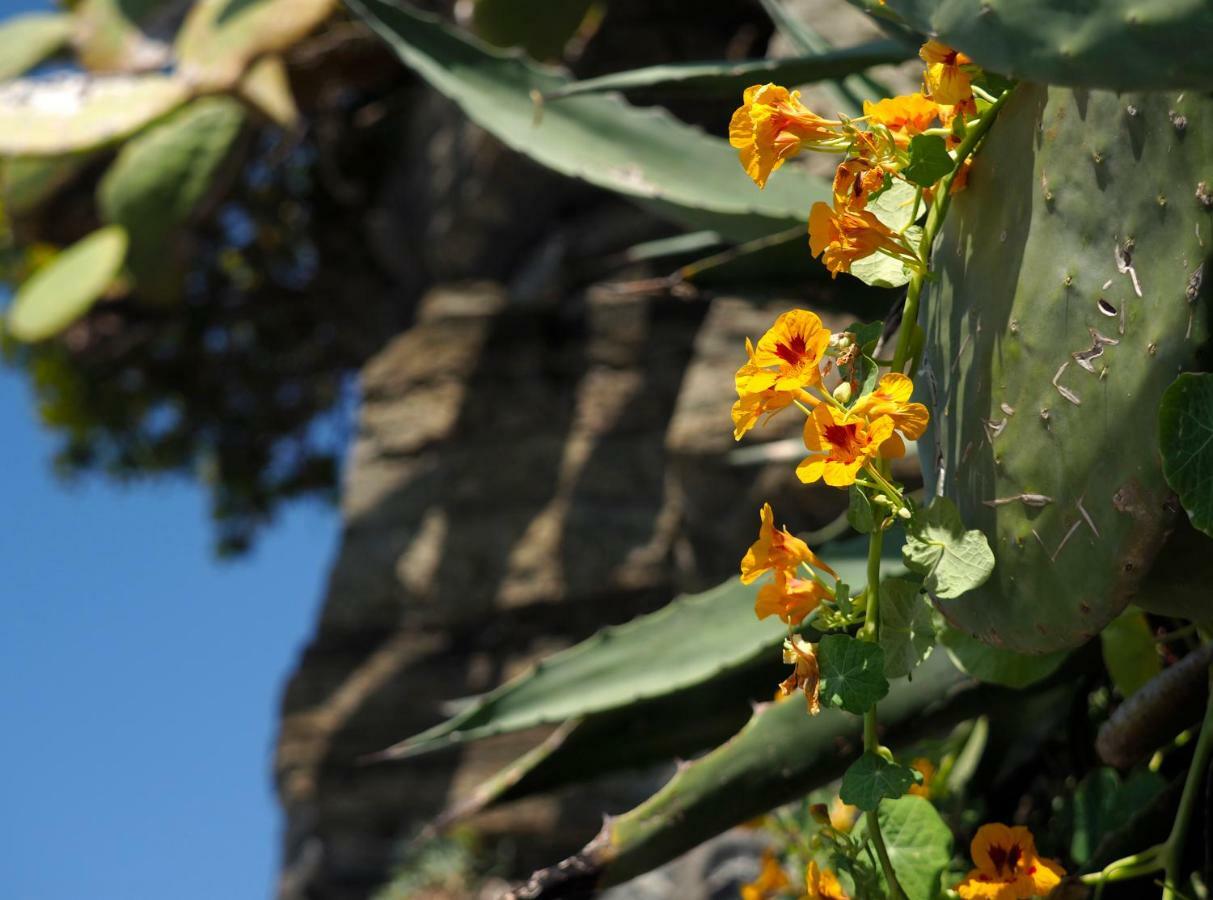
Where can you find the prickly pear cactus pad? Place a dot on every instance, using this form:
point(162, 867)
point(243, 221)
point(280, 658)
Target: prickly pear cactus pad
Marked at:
point(1068, 298)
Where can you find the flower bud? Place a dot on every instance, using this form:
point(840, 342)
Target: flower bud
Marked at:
point(842, 393)
point(904, 513)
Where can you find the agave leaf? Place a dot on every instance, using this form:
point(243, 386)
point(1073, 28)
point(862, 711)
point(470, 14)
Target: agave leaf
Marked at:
point(649, 657)
point(69, 113)
point(221, 38)
point(676, 725)
point(779, 755)
point(731, 78)
point(27, 40)
point(64, 290)
point(1116, 44)
point(644, 154)
point(540, 27)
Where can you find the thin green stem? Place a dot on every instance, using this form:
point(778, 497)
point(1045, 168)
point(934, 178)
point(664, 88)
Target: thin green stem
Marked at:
point(871, 740)
point(978, 92)
point(1172, 854)
point(935, 217)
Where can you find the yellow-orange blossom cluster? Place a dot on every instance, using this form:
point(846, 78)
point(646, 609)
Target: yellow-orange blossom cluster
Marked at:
point(772, 125)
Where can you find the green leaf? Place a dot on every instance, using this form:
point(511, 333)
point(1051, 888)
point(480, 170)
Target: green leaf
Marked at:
point(60, 293)
point(29, 181)
point(907, 628)
point(1103, 803)
point(919, 845)
point(221, 38)
point(1129, 651)
point(112, 35)
point(950, 558)
point(780, 755)
point(929, 160)
point(867, 335)
point(1116, 44)
point(995, 665)
point(68, 113)
point(27, 40)
point(859, 510)
point(643, 659)
point(881, 271)
point(540, 27)
point(872, 778)
point(158, 181)
point(852, 673)
point(1185, 431)
point(895, 206)
point(729, 79)
point(643, 154)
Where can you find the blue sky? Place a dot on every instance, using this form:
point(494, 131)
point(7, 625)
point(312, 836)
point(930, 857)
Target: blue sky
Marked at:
point(139, 678)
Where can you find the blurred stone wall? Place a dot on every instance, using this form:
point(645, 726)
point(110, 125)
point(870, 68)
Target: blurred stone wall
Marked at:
point(538, 455)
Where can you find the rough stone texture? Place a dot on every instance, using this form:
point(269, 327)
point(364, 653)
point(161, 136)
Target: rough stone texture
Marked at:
point(535, 458)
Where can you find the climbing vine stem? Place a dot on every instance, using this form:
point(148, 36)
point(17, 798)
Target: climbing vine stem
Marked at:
point(935, 217)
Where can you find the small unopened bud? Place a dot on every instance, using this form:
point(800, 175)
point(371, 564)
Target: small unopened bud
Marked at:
point(840, 340)
point(820, 813)
point(904, 513)
point(882, 500)
point(842, 393)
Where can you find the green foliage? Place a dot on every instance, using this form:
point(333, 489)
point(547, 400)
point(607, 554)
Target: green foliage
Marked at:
point(70, 113)
point(872, 778)
point(160, 179)
point(1185, 426)
point(919, 845)
point(1116, 44)
point(995, 665)
point(1037, 397)
point(778, 756)
point(1129, 652)
point(540, 27)
point(27, 40)
point(1104, 803)
point(852, 673)
point(729, 79)
point(929, 160)
point(859, 510)
point(61, 292)
point(111, 35)
point(221, 38)
point(951, 558)
point(646, 658)
point(643, 154)
point(26, 182)
point(907, 627)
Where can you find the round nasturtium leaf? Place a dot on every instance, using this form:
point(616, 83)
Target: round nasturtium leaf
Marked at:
point(1185, 434)
point(59, 294)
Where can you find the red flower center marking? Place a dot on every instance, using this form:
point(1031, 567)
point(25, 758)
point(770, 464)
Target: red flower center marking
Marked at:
point(793, 352)
point(1005, 859)
point(845, 439)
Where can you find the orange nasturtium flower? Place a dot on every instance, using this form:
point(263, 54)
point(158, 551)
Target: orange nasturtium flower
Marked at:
point(840, 237)
point(771, 880)
point(776, 549)
point(841, 444)
point(795, 344)
point(1007, 867)
point(822, 884)
point(854, 181)
point(904, 116)
point(946, 81)
point(772, 126)
point(789, 597)
point(891, 398)
point(757, 396)
point(926, 768)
